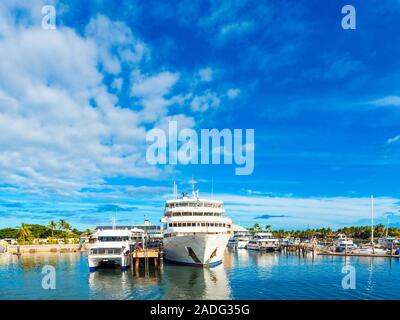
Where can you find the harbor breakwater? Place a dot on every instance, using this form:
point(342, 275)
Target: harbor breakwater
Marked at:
point(21, 249)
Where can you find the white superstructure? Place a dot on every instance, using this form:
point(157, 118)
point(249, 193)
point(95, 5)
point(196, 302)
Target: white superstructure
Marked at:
point(196, 232)
point(263, 241)
point(344, 244)
point(113, 247)
point(241, 237)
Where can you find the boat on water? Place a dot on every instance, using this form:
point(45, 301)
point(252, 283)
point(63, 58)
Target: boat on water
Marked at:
point(196, 232)
point(112, 247)
point(263, 241)
point(344, 244)
point(389, 242)
point(371, 248)
point(240, 239)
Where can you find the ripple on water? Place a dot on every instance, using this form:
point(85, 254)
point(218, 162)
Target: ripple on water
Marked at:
point(244, 275)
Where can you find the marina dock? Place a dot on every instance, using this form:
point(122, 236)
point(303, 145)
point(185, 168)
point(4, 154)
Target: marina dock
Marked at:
point(146, 257)
point(342, 254)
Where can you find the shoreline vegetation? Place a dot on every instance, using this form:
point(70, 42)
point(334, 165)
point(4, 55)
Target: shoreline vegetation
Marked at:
point(61, 232)
point(357, 233)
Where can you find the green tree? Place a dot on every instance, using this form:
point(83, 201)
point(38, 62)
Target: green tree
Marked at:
point(64, 225)
point(24, 233)
point(52, 225)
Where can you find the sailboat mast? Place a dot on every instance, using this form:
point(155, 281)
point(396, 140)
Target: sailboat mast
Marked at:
point(372, 219)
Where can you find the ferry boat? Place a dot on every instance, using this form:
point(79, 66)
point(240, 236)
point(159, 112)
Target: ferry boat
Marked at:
point(196, 232)
point(113, 247)
point(263, 241)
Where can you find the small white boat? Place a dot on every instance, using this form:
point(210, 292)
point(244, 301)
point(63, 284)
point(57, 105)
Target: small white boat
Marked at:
point(369, 250)
point(344, 244)
point(240, 239)
point(241, 242)
point(389, 242)
point(263, 241)
point(113, 247)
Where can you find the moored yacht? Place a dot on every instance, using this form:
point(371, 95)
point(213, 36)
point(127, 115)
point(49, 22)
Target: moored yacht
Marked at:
point(196, 232)
point(263, 241)
point(112, 247)
point(389, 242)
point(344, 244)
point(240, 239)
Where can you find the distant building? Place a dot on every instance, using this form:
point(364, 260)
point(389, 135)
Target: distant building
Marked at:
point(152, 230)
point(10, 241)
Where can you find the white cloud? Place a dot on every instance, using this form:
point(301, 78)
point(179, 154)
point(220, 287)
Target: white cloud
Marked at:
point(206, 101)
point(115, 44)
point(233, 93)
point(393, 140)
point(157, 85)
point(152, 91)
point(236, 28)
point(387, 101)
point(314, 212)
point(206, 74)
point(61, 129)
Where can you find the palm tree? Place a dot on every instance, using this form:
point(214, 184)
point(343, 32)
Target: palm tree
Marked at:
point(64, 225)
point(52, 225)
point(24, 233)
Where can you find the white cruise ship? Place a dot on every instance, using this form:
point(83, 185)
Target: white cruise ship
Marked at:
point(195, 230)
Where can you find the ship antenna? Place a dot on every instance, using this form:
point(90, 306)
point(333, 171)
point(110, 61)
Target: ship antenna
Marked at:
point(372, 219)
point(192, 182)
point(113, 222)
point(212, 187)
point(175, 192)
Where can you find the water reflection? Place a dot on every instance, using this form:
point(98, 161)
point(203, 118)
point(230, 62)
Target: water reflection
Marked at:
point(243, 275)
point(197, 283)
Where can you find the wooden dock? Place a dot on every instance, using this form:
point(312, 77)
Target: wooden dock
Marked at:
point(343, 254)
point(146, 257)
point(298, 249)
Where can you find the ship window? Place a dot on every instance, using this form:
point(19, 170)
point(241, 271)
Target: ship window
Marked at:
point(179, 224)
point(170, 224)
point(175, 224)
point(203, 224)
point(184, 224)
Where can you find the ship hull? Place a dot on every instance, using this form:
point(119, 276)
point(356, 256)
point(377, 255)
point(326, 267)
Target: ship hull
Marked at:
point(95, 261)
point(201, 250)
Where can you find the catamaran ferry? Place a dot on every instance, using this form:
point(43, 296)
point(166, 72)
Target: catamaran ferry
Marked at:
point(113, 247)
point(196, 232)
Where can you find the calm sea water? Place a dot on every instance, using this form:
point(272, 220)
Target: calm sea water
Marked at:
point(243, 275)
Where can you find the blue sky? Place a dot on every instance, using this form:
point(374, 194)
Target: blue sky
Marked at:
point(76, 103)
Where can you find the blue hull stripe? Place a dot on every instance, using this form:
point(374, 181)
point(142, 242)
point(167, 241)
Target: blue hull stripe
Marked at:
point(207, 265)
